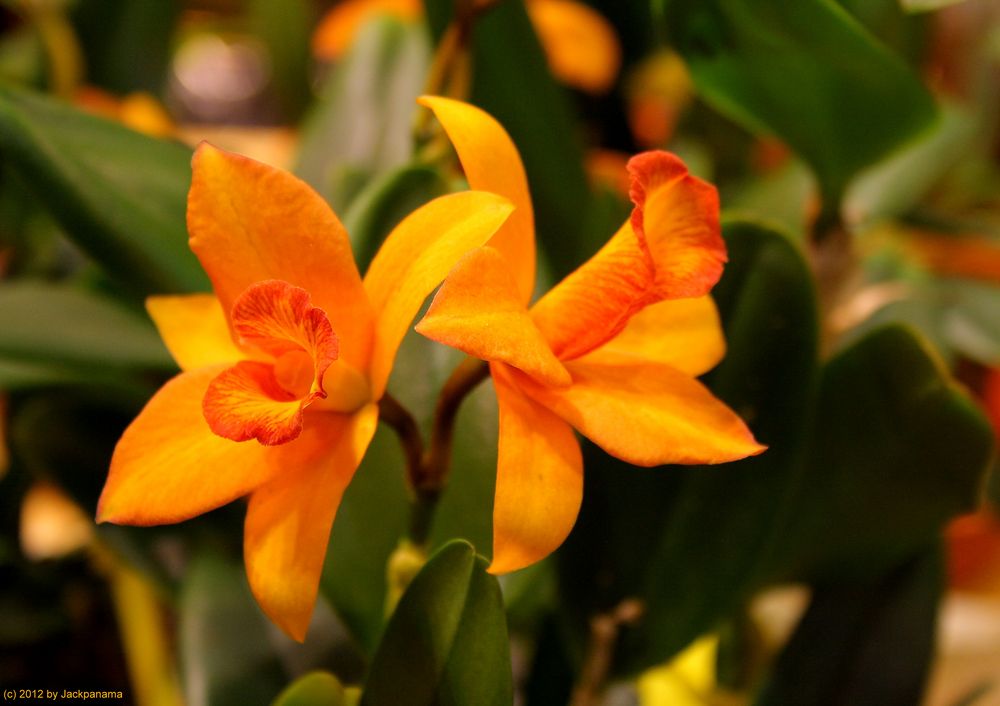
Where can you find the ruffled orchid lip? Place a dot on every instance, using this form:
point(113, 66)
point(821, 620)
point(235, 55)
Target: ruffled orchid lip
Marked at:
point(264, 400)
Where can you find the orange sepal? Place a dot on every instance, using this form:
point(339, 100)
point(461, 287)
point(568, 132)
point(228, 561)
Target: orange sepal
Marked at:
point(478, 311)
point(647, 414)
point(250, 222)
point(338, 28)
point(169, 466)
point(492, 163)
point(580, 45)
point(289, 520)
point(539, 480)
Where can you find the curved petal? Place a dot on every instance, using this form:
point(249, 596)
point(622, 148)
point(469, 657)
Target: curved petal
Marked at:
point(580, 44)
point(289, 519)
point(670, 248)
point(338, 28)
point(647, 414)
point(250, 222)
point(416, 256)
point(194, 329)
point(682, 333)
point(491, 163)
point(478, 311)
point(169, 466)
point(539, 480)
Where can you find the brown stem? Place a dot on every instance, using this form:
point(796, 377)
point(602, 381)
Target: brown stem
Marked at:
point(402, 422)
point(834, 264)
point(604, 631)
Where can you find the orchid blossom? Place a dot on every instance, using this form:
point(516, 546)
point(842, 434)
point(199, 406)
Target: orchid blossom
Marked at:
point(612, 350)
point(283, 366)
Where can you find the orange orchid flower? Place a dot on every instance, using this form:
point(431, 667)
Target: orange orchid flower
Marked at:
point(282, 366)
point(613, 350)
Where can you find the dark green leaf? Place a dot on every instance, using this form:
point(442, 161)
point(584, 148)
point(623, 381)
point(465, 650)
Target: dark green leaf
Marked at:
point(285, 27)
point(806, 72)
point(867, 644)
point(446, 644)
point(226, 655)
point(69, 327)
point(313, 689)
point(363, 118)
point(899, 449)
point(120, 195)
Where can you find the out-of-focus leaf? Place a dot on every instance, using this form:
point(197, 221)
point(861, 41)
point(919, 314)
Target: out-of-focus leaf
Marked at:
point(65, 326)
point(896, 185)
point(782, 197)
point(385, 202)
point(313, 689)
point(22, 57)
point(226, 656)
point(899, 449)
point(806, 72)
point(889, 22)
point(538, 116)
point(867, 644)
point(285, 27)
point(446, 643)
point(716, 538)
point(927, 5)
point(126, 44)
point(120, 195)
point(364, 115)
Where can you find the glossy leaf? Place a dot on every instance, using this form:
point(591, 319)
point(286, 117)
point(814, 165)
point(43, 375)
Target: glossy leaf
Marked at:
point(446, 643)
point(891, 426)
point(120, 195)
point(363, 117)
point(313, 689)
point(69, 327)
point(864, 644)
point(226, 655)
point(806, 72)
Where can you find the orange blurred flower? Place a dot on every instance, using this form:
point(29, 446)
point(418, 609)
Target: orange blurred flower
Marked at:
point(139, 111)
point(612, 350)
point(282, 366)
point(581, 45)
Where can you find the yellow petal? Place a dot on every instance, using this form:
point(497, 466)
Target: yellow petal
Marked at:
point(250, 222)
point(289, 519)
point(682, 333)
point(414, 259)
point(478, 311)
point(338, 28)
point(647, 414)
point(580, 44)
point(539, 480)
point(688, 680)
point(169, 466)
point(194, 329)
point(491, 163)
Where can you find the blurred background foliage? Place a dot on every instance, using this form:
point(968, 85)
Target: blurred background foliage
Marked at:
point(855, 145)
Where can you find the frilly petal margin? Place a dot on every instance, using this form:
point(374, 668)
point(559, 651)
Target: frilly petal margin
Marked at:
point(289, 519)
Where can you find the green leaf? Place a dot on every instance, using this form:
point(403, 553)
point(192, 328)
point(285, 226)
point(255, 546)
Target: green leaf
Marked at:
point(120, 195)
point(536, 112)
point(285, 27)
point(806, 72)
point(313, 689)
point(66, 327)
point(714, 544)
point(226, 654)
point(899, 449)
point(865, 644)
point(446, 644)
point(363, 117)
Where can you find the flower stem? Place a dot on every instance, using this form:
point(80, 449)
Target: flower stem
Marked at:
point(604, 630)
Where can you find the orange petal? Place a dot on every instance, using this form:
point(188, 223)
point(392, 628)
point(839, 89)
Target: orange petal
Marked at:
point(647, 414)
point(580, 44)
point(194, 329)
point(682, 333)
point(169, 466)
point(250, 222)
point(414, 259)
point(539, 480)
point(289, 519)
point(491, 163)
point(338, 28)
point(478, 311)
point(670, 248)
